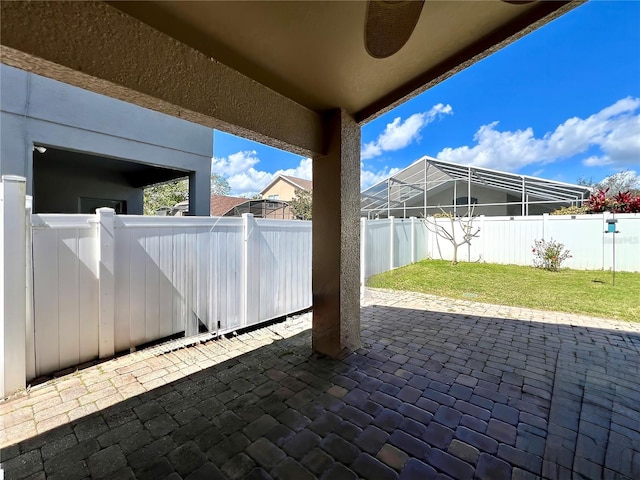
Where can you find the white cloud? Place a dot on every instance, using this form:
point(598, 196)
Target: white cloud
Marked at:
point(615, 131)
point(595, 161)
point(399, 134)
point(369, 177)
point(235, 163)
point(504, 150)
point(244, 179)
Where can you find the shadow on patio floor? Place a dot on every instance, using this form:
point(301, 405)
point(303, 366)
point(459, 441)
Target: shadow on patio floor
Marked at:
point(430, 395)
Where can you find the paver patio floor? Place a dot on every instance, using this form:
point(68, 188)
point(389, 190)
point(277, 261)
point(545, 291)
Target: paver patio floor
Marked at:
point(440, 389)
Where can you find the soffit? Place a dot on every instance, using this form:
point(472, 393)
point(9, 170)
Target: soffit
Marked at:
point(313, 52)
point(137, 174)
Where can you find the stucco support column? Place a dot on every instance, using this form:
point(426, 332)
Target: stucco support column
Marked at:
point(336, 239)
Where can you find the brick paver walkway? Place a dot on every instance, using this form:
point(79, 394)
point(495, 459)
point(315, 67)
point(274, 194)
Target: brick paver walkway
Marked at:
point(440, 389)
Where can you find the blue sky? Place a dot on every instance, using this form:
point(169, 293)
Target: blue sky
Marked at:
point(561, 103)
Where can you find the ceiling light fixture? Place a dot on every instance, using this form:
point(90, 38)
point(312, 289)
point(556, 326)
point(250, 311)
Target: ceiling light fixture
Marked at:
point(389, 24)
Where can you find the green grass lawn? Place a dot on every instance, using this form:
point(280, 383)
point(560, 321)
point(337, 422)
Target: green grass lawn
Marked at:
point(577, 291)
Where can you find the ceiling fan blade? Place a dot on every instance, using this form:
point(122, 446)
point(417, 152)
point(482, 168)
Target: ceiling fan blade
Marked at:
point(389, 25)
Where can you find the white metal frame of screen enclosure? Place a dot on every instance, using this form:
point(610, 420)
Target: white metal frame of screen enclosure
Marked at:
point(428, 185)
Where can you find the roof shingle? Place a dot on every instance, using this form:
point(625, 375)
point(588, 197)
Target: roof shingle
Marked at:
point(221, 204)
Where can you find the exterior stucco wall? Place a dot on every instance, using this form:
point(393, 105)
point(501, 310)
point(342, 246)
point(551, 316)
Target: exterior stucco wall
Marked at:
point(284, 190)
point(37, 110)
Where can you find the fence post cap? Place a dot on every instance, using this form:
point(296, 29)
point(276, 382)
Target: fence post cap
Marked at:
point(105, 210)
point(13, 179)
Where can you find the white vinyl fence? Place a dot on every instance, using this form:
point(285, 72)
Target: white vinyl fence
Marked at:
point(391, 243)
point(99, 284)
point(79, 287)
point(106, 283)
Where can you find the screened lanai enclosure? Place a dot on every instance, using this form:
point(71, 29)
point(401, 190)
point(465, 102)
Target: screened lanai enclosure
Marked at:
point(429, 186)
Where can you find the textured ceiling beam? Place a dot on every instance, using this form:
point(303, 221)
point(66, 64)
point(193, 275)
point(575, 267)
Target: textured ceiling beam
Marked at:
point(95, 46)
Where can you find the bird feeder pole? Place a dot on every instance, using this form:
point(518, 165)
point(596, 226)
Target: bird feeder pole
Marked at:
point(611, 228)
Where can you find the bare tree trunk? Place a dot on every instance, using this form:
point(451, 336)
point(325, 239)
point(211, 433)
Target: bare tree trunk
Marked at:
point(467, 229)
point(453, 242)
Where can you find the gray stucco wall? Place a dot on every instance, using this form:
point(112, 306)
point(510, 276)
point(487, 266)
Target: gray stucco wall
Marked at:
point(37, 110)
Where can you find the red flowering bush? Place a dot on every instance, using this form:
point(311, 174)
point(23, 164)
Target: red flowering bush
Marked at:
point(599, 202)
point(625, 202)
point(621, 202)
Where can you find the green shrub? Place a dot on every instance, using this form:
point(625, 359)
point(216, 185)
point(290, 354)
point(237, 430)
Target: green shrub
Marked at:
point(572, 210)
point(549, 255)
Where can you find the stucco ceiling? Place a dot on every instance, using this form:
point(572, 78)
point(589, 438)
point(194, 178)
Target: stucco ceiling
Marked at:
point(266, 70)
point(314, 52)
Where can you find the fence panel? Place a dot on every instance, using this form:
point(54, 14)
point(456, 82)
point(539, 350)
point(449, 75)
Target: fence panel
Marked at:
point(65, 288)
point(422, 240)
point(583, 236)
point(227, 293)
point(284, 256)
point(402, 242)
point(508, 240)
point(182, 274)
point(378, 246)
point(627, 243)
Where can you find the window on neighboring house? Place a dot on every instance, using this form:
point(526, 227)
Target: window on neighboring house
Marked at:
point(273, 197)
point(464, 201)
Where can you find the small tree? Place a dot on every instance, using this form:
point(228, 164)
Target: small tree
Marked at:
point(219, 185)
point(466, 224)
point(625, 181)
point(165, 195)
point(169, 193)
point(301, 205)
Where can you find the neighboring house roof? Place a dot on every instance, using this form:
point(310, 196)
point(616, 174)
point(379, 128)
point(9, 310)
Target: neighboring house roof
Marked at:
point(300, 183)
point(221, 204)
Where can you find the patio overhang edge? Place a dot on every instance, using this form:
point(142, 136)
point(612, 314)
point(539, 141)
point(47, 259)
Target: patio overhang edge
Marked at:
point(94, 46)
point(542, 14)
